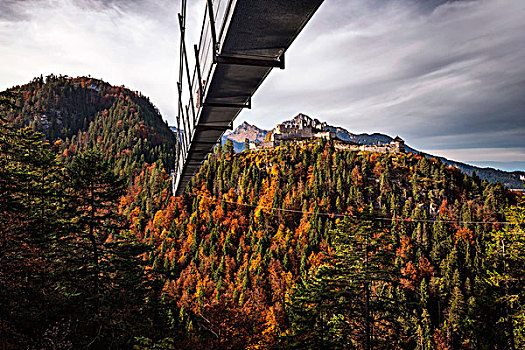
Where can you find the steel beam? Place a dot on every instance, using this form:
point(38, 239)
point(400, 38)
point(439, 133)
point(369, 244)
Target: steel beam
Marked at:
point(204, 127)
point(229, 105)
point(212, 25)
point(250, 61)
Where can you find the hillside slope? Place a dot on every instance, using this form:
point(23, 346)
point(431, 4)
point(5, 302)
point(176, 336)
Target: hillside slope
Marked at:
point(233, 251)
point(236, 262)
point(71, 273)
point(510, 179)
point(82, 113)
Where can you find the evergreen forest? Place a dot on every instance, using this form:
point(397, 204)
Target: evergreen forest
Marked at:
point(304, 246)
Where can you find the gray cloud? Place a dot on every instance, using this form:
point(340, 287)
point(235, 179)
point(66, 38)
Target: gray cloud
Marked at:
point(15, 10)
point(445, 75)
point(12, 10)
point(126, 42)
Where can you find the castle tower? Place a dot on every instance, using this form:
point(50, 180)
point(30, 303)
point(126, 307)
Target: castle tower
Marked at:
point(398, 144)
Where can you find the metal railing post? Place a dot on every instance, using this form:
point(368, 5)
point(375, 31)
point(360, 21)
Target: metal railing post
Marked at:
point(199, 76)
point(180, 144)
point(212, 27)
point(181, 108)
point(185, 55)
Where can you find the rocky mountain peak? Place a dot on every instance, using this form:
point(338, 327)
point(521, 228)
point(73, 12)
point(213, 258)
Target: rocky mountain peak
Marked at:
point(247, 131)
point(246, 126)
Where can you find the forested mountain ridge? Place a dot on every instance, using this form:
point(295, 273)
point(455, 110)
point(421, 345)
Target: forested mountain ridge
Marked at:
point(83, 113)
point(71, 273)
point(249, 255)
point(509, 179)
point(301, 246)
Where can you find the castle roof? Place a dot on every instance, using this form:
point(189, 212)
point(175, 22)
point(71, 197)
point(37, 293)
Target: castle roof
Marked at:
point(398, 139)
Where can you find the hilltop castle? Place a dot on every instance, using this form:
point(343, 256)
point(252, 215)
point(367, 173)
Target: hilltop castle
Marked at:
point(302, 127)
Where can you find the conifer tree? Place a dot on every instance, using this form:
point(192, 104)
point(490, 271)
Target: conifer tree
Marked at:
point(507, 274)
point(350, 301)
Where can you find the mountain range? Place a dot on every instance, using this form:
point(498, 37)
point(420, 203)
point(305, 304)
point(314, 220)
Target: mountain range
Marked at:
point(513, 180)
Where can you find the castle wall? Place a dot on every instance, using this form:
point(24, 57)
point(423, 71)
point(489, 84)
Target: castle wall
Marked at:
point(389, 148)
point(294, 133)
point(328, 135)
point(262, 145)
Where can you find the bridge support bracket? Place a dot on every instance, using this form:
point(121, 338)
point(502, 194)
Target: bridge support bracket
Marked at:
point(204, 127)
point(229, 105)
point(249, 61)
point(209, 142)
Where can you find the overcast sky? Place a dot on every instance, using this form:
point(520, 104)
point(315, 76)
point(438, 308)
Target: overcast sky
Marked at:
point(447, 76)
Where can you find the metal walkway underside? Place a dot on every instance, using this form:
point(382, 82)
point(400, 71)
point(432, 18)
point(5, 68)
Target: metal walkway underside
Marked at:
point(241, 41)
